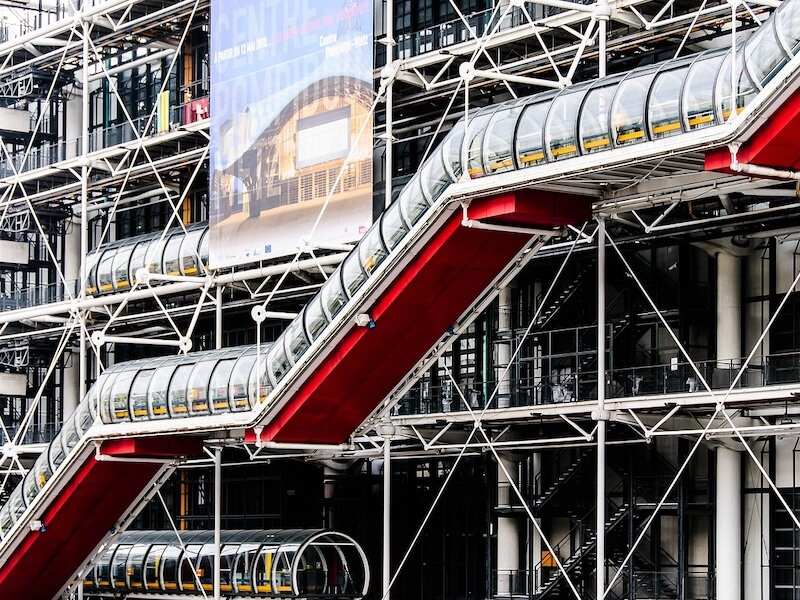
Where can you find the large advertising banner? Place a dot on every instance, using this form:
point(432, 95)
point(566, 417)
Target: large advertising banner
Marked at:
point(291, 88)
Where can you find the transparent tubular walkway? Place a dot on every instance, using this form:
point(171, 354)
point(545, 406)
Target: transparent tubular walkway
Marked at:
point(646, 104)
point(290, 563)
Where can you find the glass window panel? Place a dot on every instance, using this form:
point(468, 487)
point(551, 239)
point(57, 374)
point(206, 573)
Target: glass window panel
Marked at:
point(203, 250)
point(259, 383)
point(764, 55)
point(136, 566)
point(152, 566)
point(205, 566)
point(105, 397)
point(188, 581)
point(787, 23)
point(102, 572)
point(91, 268)
point(169, 569)
point(121, 268)
point(157, 392)
point(84, 416)
point(393, 228)
point(120, 408)
point(333, 296)
point(6, 523)
point(69, 433)
point(197, 387)
point(104, 271)
point(155, 254)
point(745, 90)
point(40, 474)
point(451, 150)
point(263, 570)
point(664, 103)
point(119, 566)
point(172, 254)
point(30, 488)
point(137, 259)
point(242, 571)
point(178, 406)
point(220, 378)
point(315, 320)
point(17, 503)
point(559, 129)
point(141, 384)
point(530, 145)
point(498, 144)
point(189, 252)
point(434, 177)
point(352, 273)
point(295, 338)
point(226, 557)
point(277, 362)
point(698, 92)
point(594, 120)
point(56, 453)
point(627, 110)
point(475, 130)
point(413, 203)
point(240, 377)
point(371, 249)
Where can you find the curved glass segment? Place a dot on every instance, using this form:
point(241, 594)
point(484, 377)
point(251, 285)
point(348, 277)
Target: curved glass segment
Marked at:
point(498, 145)
point(279, 563)
point(594, 126)
point(698, 93)
point(560, 131)
point(664, 103)
point(530, 135)
point(628, 108)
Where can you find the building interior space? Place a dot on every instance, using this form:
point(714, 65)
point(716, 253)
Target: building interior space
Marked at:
point(562, 362)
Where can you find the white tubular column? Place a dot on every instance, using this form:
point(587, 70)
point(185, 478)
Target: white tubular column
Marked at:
point(729, 311)
point(728, 518)
point(72, 272)
point(508, 533)
point(728, 540)
point(601, 417)
point(503, 348)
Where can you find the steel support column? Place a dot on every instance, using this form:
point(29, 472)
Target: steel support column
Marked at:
point(600, 508)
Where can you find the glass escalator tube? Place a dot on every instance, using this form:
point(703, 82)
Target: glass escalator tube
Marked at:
point(529, 138)
point(476, 130)
point(628, 110)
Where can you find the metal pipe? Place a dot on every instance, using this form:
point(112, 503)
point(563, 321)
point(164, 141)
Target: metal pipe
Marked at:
point(131, 65)
point(218, 318)
point(601, 413)
point(387, 524)
point(389, 171)
point(217, 522)
point(300, 265)
point(82, 366)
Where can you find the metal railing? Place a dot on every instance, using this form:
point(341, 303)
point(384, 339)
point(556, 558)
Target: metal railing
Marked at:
point(48, 155)
point(557, 388)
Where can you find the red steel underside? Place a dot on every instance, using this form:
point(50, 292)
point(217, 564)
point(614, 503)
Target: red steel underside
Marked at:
point(441, 282)
point(83, 513)
point(773, 145)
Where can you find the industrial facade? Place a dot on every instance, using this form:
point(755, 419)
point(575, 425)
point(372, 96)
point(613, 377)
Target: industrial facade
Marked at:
point(563, 362)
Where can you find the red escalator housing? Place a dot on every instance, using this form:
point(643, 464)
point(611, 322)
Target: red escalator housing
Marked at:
point(441, 282)
point(91, 503)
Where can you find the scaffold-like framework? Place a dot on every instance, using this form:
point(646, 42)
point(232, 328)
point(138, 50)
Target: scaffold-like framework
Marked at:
point(515, 49)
